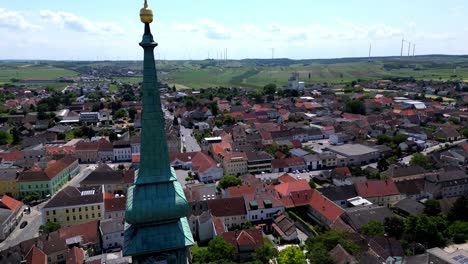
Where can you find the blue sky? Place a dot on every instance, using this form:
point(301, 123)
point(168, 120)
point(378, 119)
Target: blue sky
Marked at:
point(188, 29)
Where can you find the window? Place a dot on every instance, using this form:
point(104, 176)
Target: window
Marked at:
point(68, 218)
point(53, 212)
point(87, 216)
point(79, 209)
point(74, 218)
point(66, 211)
point(99, 207)
point(99, 215)
point(73, 210)
point(55, 220)
point(81, 217)
point(86, 208)
point(92, 207)
point(92, 215)
point(47, 213)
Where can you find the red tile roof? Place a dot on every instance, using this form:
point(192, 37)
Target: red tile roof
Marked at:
point(286, 178)
point(135, 158)
point(201, 162)
point(59, 166)
point(12, 156)
point(87, 146)
point(36, 256)
point(75, 255)
point(239, 191)
point(218, 225)
point(112, 203)
point(241, 238)
point(61, 150)
point(285, 189)
point(11, 203)
point(376, 188)
point(325, 207)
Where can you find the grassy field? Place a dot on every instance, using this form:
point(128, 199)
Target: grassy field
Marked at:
point(255, 73)
point(9, 70)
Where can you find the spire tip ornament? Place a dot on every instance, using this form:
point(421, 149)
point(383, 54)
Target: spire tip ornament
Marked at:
point(146, 14)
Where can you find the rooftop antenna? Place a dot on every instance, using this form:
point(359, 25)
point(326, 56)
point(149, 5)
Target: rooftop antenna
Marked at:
point(409, 47)
point(401, 52)
point(414, 47)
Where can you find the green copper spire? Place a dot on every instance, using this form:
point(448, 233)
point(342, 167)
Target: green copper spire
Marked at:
point(157, 227)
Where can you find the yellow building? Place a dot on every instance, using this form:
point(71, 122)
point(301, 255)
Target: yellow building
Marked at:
point(74, 205)
point(8, 184)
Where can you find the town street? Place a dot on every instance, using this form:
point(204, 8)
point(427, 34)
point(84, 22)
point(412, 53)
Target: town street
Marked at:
point(190, 143)
point(31, 230)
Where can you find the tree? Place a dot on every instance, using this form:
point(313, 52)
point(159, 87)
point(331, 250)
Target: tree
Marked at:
point(291, 255)
point(428, 230)
point(15, 136)
point(373, 229)
point(31, 197)
point(269, 89)
point(394, 227)
point(458, 231)
point(5, 137)
point(432, 207)
point(382, 165)
point(355, 107)
point(120, 113)
point(420, 159)
point(330, 239)
point(265, 252)
point(48, 227)
point(228, 181)
point(459, 210)
point(312, 184)
point(219, 250)
point(318, 254)
point(132, 111)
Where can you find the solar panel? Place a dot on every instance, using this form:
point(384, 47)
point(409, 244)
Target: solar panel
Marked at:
point(461, 259)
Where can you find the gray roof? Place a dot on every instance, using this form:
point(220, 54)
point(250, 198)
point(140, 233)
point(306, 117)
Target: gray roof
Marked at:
point(352, 149)
point(111, 226)
point(298, 152)
point(395, 171)
point(359, 216)
point(73, 196)
point(410, 206)
point(5, 214)
point(8, 176)
point(258, 155)
point(339, 192)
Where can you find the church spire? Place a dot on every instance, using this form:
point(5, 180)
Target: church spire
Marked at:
point(156, 225)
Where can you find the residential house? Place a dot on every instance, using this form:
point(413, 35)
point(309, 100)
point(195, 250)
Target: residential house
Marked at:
point(313, 161)
point(8, 183)
point(413, 189)
point(114, 181)
point(231, 211)
point(87, 152)
point(10, 215)
point(105, 150)
point(205, 168)
point(258, 161)
point(322, 210)
point(298, 191)
point(245, 242)
point(74, 205)
point(408, 207)
point(341, 256)
point(234, 163)
point(446, 134)
point(339, 194)
point(122, 151)
point(288, 164)
point(112, 233)
point(284, 228)
point(356, 217)
point(262, 206)
point(447, 184)
point(403, 173)
point(379, 192)
point(49, 180)
point(135, 143)
point(114, 206)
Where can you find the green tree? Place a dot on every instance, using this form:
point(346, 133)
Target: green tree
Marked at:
point(432, 207)
point(330, 239)
point(291, 255)
point(382, 165)
point(132, 111)
point(48, 227)
point(269, 89)
point(420, 159)
point(373, 229)
point(355, 107)
point(318, 254)
point(228, 181)
point(458, 231)
point(213, 106)
point(394, 227)
point(5, 137)
point(312, 184)
point(220, 251)
point(459, 210)
point(427, 230)
point(265, 252)
point(120, 113)
point(397, 139)
point(31, 197)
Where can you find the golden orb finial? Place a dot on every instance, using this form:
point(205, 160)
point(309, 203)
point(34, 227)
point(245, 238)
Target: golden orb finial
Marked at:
point(146, 15)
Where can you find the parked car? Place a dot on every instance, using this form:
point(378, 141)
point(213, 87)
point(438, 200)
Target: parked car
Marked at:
point(25, 223)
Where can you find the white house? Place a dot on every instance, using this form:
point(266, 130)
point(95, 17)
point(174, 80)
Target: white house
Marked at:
point(112, 233)
point(263, 206)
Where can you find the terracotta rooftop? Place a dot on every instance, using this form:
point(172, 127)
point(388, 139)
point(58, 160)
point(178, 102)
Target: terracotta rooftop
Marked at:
point(11, 203)
point(244, 238)
point(239, 191)
point(286, 178)
point(227, 206)
point(376, 188)
point(325, 207)
point(112, 203)
point(36, 256)
point(285, 189)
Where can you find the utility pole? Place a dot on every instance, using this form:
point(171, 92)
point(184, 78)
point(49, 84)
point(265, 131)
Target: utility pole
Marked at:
point(401, 52)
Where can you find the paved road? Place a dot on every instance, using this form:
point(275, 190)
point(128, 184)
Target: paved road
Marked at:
point(31, 230)
point(190, 143)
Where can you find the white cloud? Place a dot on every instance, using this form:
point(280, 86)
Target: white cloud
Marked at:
point(186, 27)
point(14, 20)
point(80, 24)
point(214, 30)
